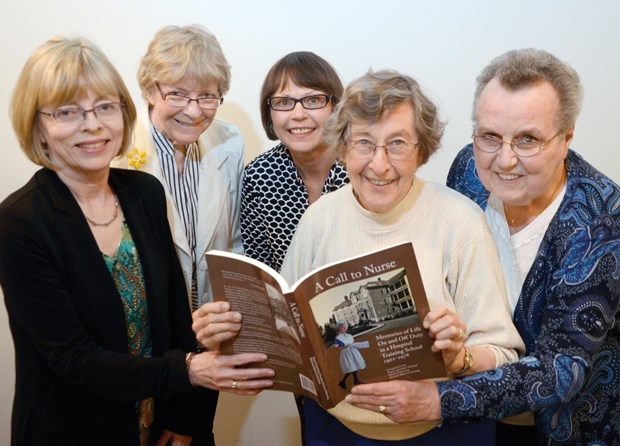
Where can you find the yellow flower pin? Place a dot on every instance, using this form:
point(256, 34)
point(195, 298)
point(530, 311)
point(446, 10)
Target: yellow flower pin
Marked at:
point(137, 158)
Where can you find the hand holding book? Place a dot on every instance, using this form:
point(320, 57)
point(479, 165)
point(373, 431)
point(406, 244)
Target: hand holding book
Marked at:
point(213, 324)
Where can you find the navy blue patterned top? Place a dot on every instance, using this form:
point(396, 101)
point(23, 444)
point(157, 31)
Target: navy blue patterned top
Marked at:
point(568, 315)
point(273, 199)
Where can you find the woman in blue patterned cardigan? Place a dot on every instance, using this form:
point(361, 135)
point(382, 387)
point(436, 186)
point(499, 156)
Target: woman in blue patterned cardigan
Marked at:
point(556, 221)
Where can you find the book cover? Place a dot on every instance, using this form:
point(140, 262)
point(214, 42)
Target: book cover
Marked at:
point(357, 320)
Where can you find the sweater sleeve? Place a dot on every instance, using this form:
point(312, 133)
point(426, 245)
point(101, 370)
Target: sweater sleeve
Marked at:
point(476, 284)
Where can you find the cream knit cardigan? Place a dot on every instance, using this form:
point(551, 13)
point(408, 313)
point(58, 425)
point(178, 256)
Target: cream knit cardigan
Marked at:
point(457, 258)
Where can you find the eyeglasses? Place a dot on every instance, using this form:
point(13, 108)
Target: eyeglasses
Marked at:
point(524, 146)
point(107, 111)
point(396, 150)
point(176, 99)
point(312, 102)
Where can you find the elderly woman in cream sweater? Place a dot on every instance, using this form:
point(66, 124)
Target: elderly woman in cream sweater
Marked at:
point(383, 130)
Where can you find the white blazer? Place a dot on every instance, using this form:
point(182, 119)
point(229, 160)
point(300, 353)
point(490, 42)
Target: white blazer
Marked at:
point(219, 195)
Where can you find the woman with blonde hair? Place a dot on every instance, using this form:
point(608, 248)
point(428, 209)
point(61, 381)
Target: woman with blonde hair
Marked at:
point(198, 159)
point(97, 304)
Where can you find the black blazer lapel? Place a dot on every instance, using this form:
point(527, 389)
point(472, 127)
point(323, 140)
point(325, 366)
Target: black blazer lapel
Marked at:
point(99, 304)
point(151, 246)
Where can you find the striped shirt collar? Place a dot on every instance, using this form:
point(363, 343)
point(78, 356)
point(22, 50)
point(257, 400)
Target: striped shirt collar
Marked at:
point(184, 191)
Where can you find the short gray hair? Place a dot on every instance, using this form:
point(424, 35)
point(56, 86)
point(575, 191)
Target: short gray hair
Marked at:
point(371, 96)
point(527, 67)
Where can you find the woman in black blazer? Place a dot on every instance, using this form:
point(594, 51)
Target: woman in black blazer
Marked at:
point(94, 291)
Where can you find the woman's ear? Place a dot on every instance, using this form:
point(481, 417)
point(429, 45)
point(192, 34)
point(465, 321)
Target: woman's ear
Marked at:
point(152, 95)
point(568, 137)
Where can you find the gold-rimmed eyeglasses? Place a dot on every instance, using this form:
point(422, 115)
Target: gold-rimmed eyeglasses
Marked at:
point(397, 149)
point(522, 146)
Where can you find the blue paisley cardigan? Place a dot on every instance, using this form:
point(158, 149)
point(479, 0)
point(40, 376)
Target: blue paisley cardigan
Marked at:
point(568, 316)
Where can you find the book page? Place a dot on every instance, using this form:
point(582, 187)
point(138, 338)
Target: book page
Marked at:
point(271, 323)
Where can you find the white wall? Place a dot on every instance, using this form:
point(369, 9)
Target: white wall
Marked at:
point(443, 44)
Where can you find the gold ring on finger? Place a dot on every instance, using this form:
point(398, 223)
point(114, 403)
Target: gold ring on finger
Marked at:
point(458, 338)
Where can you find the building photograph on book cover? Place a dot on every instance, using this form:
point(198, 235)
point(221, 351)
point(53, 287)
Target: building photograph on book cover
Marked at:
point(375, 304)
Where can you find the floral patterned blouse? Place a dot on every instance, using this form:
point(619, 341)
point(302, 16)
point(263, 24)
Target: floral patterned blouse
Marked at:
point(127, 273)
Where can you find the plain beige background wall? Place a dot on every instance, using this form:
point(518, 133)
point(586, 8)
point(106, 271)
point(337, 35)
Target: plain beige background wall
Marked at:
point(443, 44)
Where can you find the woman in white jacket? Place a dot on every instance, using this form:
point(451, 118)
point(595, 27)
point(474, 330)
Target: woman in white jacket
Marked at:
point(198, 159)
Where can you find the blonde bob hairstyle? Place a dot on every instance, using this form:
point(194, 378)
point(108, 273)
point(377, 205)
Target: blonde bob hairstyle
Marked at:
point(58, 72)
point(188, 52)
point(370, 97)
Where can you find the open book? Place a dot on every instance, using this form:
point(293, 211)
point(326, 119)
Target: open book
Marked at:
point(356, 320)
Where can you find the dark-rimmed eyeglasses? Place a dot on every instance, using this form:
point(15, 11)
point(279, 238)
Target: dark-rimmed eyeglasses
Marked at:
point(523, 146)
point(106, 111)
point(397, 150)
point(176, 99)
point(311, 102)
